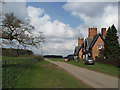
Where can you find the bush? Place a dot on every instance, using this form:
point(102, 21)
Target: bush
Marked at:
point(110, 60)
point(15, 52)
point(39, 58)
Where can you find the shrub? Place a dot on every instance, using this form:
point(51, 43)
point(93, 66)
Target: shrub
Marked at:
point(39, 58)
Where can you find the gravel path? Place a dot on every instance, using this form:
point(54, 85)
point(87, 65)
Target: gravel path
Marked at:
point(92, 78)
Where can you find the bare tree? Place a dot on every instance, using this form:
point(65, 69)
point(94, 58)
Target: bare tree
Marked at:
point(16, 30)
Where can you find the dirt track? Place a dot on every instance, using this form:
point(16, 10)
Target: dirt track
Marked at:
point(92, 78)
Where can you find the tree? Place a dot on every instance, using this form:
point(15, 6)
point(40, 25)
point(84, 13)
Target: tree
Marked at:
point(111, 43)
point(15, 30)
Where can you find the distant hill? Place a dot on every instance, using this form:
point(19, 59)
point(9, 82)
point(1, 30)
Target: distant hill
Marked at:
point(53, 56)
point(15, 52)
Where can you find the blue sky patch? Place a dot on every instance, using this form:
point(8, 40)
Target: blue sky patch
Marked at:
point(56, 12)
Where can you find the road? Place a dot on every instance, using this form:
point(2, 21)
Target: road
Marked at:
point(92, 78)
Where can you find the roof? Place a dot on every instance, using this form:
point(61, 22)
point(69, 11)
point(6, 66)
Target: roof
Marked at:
point(77, 49)
point(89, 42)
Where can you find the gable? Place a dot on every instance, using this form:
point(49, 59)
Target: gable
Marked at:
point(95, 38)
point(97, 43)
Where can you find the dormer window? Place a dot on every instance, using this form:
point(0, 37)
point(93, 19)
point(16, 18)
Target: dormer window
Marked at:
point(99, 46)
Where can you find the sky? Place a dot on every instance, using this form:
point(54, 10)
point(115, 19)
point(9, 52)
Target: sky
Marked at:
point(63, 22)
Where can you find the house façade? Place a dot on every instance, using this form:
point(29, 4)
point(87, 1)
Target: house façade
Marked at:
point(92, 45)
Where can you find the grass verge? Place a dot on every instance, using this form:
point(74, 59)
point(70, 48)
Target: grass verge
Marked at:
point(13, 68)
point(47, 75)
point(56, 59)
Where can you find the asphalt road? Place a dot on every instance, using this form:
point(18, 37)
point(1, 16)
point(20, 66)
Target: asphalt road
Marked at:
point(92, 78)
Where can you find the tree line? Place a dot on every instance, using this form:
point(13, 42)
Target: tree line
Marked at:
point(16, 52)
point(53, 56)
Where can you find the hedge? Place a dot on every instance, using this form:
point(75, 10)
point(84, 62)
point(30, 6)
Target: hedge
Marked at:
point(15, 52)
point(111, 61)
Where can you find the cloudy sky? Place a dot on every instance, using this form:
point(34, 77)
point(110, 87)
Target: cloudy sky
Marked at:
point(63, 22)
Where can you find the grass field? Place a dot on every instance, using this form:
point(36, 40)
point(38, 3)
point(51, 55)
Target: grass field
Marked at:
point(47, 75)
point(56, 59)
point(13, 68)
point(99, 67)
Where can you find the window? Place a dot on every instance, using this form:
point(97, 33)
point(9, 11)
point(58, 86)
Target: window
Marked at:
point(99, 46)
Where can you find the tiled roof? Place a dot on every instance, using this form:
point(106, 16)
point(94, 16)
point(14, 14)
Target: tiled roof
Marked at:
point(77, 49)
point(88, 42)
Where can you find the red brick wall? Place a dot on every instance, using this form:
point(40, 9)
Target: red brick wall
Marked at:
point(95, 50)
point(103, 32)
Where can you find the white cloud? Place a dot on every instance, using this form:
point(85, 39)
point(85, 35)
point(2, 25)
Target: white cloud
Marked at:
point(58, 48)
point(37, 16)
point(87, 8)
point(44, 23)
point(94, 14)
point(57, 29)
point(18, 8)
point(35, 12)
point(60, 37)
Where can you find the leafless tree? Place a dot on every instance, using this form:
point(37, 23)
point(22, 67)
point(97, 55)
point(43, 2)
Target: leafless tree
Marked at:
point(16, 30)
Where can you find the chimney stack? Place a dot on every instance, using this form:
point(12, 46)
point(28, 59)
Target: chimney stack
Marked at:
point(103, 31)
point(80, 41)
point(92, 32)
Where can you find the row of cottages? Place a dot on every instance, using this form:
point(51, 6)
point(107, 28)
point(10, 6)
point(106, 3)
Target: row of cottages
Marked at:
point(92, 45)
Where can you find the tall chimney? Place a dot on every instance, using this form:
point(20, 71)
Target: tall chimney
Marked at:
point(92, 32)
point(103, 31)
point(80, 41)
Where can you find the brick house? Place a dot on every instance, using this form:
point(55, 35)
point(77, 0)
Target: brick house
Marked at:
point(92, 45)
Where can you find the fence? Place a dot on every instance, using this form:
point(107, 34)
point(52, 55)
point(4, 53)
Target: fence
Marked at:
point(13, 69)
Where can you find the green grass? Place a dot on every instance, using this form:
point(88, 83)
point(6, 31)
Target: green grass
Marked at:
point(99, 67)
point(13, 66)
point(56, 59)
point(47, 75)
